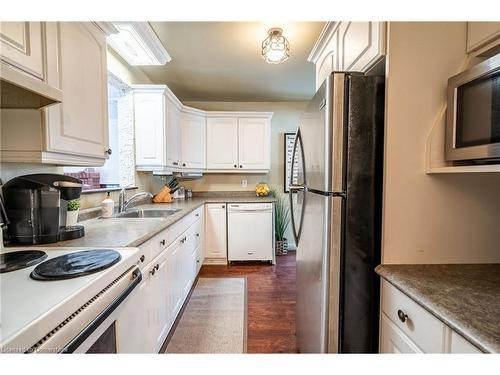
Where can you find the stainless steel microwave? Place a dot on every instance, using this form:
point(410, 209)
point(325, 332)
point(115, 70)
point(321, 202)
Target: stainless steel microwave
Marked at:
point(473, 114)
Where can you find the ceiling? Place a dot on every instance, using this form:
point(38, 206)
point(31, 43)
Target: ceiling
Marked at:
point(221, 61)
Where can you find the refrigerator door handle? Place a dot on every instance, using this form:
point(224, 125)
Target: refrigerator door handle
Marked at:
point(296, 188)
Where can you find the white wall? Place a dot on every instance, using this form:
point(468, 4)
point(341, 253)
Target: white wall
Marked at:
point(430, 218)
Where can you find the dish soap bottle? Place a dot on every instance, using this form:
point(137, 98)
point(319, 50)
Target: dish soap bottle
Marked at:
point(107, 207)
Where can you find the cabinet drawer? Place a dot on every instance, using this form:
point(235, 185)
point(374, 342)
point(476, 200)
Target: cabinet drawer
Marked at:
point(393, 340)
point(426, 331)
point(192, 217)
point(198, 232)
point(165, 238)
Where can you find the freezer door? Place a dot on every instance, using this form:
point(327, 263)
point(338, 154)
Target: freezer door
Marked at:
point(318, 274)
point(322, 130)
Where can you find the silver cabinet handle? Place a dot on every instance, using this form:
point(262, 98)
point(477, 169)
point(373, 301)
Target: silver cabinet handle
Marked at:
point(250, 253)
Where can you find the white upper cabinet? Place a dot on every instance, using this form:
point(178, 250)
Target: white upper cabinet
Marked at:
point(173, 134)
point(79, 125)
point(193, 140)
point(254, 137)
point(28, 56)
point(237, 144)
point(480, 34)
point(149, 117)
point(22, 46)
point(75, 131)
point(222, 143)
point(348, 46)
point(361, 45)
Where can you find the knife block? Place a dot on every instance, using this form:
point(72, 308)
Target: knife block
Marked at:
point(163, 196)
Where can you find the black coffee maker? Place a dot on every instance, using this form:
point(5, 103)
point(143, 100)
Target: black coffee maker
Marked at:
point(36, 206)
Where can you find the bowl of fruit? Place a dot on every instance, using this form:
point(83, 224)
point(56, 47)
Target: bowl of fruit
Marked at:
point(262, 189)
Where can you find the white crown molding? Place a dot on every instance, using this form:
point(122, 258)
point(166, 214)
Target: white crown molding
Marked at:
point(150, 39)
point(195, 111)
point(323, 39)
point(268, 115)
point(145, 30)
point(106, 27)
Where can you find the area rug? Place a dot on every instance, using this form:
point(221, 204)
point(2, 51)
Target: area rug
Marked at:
point(214, 320)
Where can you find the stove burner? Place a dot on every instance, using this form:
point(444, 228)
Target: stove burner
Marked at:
point(76, 264)
point(17, 260)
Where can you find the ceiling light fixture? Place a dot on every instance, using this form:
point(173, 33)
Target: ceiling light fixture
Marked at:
point(138, 44)
point(275, 48)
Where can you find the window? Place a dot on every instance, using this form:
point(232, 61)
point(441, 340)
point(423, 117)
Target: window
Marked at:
point(118, 170)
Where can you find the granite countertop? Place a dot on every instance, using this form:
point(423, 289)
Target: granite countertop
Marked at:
point(466, 297)
point(131, 232)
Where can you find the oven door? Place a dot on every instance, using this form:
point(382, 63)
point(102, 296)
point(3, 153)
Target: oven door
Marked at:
point(93, 327)
point(473, 115)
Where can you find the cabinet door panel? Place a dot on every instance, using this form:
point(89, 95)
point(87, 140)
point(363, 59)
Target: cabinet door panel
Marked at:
point(159, 302)
point(173, 135)
point(21, 45)
point(222, 143)
point(393, 340)
point(254, 147)
point(215, 230)
point(480, 34)
point(193, 139)
point(328, 60)
point(361, 44)
point(79, 125)
point(135, 323)
point(460, 345)
point(149, 116)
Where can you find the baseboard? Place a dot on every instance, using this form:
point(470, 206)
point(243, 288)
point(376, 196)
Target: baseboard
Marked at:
point(215, 261)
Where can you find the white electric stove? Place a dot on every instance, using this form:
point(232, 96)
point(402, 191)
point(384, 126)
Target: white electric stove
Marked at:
point(63, 296)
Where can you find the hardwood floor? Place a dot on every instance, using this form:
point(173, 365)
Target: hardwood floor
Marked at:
point(271, 302)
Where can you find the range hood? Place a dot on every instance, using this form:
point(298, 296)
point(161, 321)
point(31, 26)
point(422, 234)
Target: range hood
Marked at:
point(23, 92)
point(180, 175)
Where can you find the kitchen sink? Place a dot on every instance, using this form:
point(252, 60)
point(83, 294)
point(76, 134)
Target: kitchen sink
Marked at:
point(147, 213)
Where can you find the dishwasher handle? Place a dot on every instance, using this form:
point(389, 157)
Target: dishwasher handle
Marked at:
point(250, 207)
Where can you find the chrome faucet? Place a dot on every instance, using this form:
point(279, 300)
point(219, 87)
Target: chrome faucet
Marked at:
point(135, 196)
point(123, 202)
point(122, 198)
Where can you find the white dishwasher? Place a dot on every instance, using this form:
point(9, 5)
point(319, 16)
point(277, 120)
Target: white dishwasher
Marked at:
point(250, 231)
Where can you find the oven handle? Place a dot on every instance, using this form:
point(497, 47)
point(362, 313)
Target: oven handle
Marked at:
point(83, 335)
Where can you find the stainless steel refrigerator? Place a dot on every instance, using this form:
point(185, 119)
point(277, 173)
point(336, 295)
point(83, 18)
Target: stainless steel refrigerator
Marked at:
point(336, 200)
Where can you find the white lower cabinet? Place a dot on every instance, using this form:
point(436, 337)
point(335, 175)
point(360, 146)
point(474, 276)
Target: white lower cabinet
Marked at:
point(406, 327)
point(459, 345)
point(215, 233)
point(393, 340)
point(154, 305)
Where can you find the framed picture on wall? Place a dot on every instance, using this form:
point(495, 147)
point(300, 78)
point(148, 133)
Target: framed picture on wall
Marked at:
point(289, 142)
